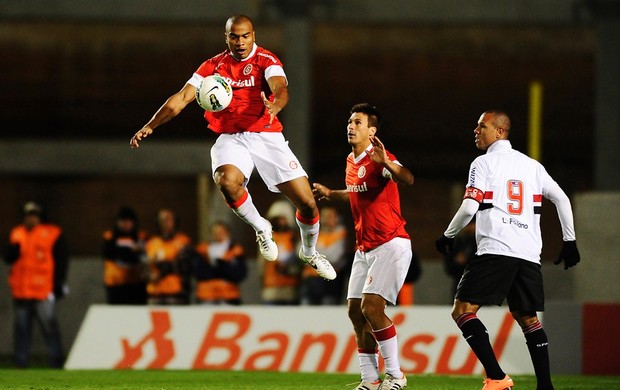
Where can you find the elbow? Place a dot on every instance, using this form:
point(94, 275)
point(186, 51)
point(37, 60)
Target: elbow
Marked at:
point(408, 179)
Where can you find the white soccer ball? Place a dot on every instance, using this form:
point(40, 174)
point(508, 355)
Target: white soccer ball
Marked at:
point(214, 93)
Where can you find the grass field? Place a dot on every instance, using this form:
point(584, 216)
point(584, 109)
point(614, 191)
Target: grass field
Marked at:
point(44, 379)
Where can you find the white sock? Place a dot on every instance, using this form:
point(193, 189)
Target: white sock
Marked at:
point(309, 232)
point(369, 365)
point(245, 209)
point(388, 346)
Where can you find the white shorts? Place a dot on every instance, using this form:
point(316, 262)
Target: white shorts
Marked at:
point(381, 271)
point(267, 151)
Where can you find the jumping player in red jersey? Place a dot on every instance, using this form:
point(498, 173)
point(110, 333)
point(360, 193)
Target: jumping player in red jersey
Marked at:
point(505, 191)
point(250, 135)
point(383, 252)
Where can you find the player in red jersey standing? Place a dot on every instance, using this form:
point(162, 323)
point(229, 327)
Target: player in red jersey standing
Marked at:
point(505, 191)
point(250, 135)
point(383, 252)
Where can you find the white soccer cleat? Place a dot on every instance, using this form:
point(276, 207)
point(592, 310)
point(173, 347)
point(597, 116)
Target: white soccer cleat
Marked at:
point(317, 261)
point(392, 383)
point(267, 245)
point(366, 385)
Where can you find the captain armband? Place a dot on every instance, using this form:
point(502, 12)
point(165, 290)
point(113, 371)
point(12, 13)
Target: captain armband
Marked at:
point(474, 193)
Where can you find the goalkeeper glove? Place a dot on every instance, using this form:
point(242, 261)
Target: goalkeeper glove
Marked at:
point(444, 244)
point(569, 254)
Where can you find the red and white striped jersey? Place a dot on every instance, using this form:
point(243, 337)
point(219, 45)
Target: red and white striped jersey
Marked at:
point(247, 77)
point(509, 187)
point(375, 202)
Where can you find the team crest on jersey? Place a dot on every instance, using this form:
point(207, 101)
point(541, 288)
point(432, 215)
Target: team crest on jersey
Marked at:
point(361, 172)
point(247, 69)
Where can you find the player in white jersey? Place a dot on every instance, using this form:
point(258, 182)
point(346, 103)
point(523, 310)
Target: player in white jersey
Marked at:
point(505, 190)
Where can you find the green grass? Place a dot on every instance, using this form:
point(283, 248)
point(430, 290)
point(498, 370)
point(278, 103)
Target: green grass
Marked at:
point(44, 379)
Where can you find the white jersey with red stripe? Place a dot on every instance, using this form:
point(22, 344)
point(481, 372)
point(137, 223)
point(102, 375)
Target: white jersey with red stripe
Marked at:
point(509, 187)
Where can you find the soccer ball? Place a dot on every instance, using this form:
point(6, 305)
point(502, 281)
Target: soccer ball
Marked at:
point(214, 93)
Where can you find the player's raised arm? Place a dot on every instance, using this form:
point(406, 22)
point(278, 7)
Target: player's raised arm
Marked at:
point(170, 109)
point(400, 174)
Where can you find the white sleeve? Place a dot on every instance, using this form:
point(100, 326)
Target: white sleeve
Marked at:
point(195, 80)
point(386, 172)
point(555, 194)
point(465, 213)
point(275, 70)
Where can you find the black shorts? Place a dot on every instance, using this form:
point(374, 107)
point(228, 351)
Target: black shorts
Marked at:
point(489, 279)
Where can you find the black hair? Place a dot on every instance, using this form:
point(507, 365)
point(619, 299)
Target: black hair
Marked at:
point(373, 114)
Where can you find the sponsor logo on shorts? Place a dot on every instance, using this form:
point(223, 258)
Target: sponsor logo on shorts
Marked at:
point(369, 279)
point(293, 164)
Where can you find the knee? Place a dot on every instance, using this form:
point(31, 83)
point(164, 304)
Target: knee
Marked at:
point(228, 182)
point(525, 319)
point(371, 308)
point(456, 313)
point(307, 207)
point(461, 308)
point(356, 316)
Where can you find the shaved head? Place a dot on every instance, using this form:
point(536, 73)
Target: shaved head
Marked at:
point(238, 19)
point(500, 120)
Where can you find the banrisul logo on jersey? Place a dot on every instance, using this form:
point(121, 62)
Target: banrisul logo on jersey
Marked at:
point(241, 83)
point(357, 187)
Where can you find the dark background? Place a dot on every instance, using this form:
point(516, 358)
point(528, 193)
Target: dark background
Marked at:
point(102, 80)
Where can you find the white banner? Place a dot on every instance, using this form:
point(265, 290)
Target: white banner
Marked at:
point(300, 338)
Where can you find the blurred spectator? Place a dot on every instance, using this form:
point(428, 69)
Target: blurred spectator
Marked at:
point(406, 295)
point(281, 277)
point(123, 260)
point(39, 259)
point(219, 268)
point(169, 256)
point(332, 243)
point(463, 249)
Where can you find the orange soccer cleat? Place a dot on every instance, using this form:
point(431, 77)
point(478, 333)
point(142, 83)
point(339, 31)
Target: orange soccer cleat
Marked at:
point(498, 384)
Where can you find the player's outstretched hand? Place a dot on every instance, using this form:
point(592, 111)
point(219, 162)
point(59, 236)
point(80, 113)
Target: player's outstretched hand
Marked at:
point(271, 107)
point(320, 192)
point(569, 254)
point(378, 153)
point(444, 244)
point(139, 136)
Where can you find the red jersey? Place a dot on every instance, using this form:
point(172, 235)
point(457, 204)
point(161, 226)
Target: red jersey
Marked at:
point(375, 202)
point(248, 78)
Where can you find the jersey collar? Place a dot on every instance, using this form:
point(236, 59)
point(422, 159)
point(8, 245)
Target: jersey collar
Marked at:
point(362, 155)
point(250, 55)
point(501, 145)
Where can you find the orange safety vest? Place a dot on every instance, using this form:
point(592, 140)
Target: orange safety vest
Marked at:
point(32, 274)
point(325, 240)
point(271, 276)
point(160, 250)
point(218, 289)
point(120, 274)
